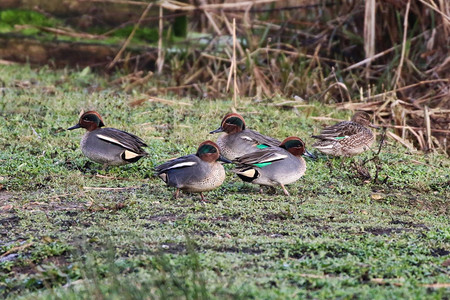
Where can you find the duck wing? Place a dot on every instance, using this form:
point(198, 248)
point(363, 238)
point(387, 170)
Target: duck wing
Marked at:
point(337, 131)
point(258, 138)
point(123, 139)
point(262, 157)
point(177, 163)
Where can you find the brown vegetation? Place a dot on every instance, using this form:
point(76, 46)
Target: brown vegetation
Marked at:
point(388, 57)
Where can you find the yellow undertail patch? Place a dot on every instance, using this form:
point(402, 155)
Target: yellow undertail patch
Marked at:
point(130, 155)
point(163, 176)
point(248, 173)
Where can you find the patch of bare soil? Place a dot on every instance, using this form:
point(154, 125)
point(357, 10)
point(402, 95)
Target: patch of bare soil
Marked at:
point(408, 224)
point(439, 252)
point(246, 250)
point(54, 206)
point(30, 267)
point(8, 218)
point(386, 230)
point(4, 197)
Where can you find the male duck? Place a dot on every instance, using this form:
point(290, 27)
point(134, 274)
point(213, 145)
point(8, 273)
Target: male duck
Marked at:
point(273, 166)
point(196, 173)
point(108, 146)
point(237, 140)
point(346, 138)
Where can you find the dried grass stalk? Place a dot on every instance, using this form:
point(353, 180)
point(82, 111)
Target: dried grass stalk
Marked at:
point(369, 31)
point(402, 57)
point(127, 42)
point(160, 60)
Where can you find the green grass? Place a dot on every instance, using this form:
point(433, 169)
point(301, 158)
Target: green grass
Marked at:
point(11, 18)
point(333, 238)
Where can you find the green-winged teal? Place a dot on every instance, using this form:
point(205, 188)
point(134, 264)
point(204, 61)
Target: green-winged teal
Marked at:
point(196, 173)
point(273, 165)
point(346, 138)
point(237, 140)
point(108, 146)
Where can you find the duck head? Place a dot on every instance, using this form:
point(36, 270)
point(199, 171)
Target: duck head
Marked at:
point(208, 151)
point(90, 120)
point(231, 123)
point(363, 118)
point(296, 147)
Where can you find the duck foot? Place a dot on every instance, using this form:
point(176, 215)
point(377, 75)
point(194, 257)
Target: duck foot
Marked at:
point(203, 197)
point(284, 190)
point(177, 193)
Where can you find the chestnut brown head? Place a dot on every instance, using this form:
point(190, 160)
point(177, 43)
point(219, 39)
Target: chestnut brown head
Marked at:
point(293, 145)
point(209, 151)
point(231, 123)
point(90, 120)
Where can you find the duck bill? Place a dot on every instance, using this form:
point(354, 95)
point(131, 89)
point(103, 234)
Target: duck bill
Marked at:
point(224, 160)
point(309, 154)
point(374, 126)
point(74, 127)
point(220, 129)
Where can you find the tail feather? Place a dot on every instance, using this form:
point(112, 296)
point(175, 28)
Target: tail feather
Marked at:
point(247, 175)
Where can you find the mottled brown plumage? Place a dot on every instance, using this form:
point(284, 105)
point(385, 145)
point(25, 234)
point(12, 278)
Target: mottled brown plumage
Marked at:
point(346, 138)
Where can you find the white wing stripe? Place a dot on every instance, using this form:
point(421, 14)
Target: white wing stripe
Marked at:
point(110, 139)
point(324, 147)
point(183, 164)
point(276, 156)
point(247, 138)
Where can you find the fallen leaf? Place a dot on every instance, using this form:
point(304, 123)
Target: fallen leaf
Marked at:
point(6, 207)
point(47, 239)
point(137, 102)
point(377, 196)
point(446, 263)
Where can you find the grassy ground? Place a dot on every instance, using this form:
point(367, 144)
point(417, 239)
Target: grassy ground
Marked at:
point(66, 234)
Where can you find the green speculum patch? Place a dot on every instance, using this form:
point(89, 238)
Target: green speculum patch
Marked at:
point(261, 165)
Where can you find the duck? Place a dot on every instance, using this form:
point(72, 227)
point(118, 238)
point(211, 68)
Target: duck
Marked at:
point(274, 165)
point(347, 138)
point(195, 173)
point(237, 140)
point(108, 146)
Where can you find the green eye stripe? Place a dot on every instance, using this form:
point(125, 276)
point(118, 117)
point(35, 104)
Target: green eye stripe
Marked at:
point(92, 117)
point(291, 144)
point(235, 120)
point(207, 149)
